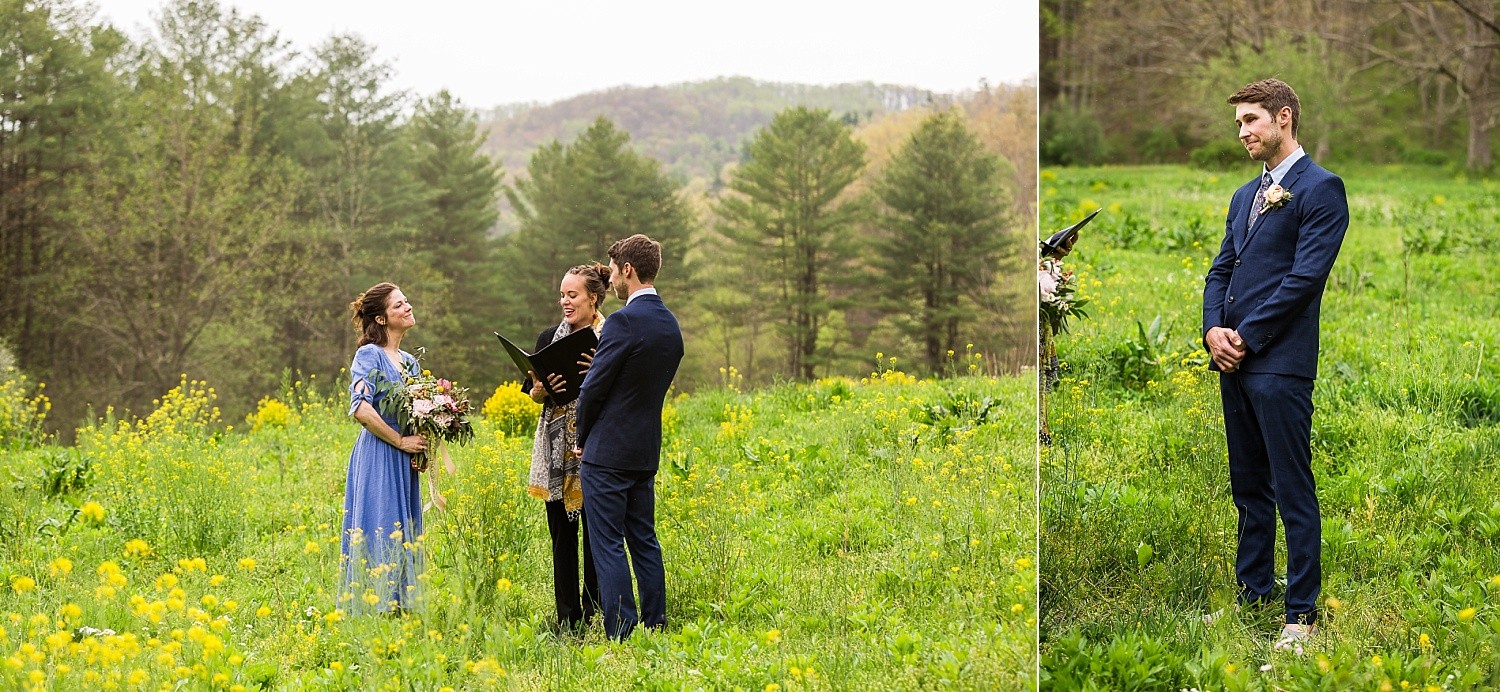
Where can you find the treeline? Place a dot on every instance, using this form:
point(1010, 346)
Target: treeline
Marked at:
point(1381, 80)
point(207, 199)
point(825, 246)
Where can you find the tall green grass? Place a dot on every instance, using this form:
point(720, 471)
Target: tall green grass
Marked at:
point(1138, 529)
point(835, 535)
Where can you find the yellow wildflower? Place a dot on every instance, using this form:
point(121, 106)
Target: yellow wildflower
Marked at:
point(92, 511)
point(70, 611)
point(60, 566)
point(136, 547)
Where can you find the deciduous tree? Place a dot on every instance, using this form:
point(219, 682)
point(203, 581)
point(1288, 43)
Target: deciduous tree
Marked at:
point(56, 91)
point(177, 221)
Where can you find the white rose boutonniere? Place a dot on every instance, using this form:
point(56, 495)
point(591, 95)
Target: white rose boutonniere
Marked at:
point(1276, 197)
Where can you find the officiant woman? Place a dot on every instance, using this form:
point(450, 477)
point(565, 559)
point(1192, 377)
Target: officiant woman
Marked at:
point(554, 466)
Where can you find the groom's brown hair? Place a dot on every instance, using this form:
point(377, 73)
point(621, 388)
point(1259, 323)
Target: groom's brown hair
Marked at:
point(640, 252)
point(1272, 95)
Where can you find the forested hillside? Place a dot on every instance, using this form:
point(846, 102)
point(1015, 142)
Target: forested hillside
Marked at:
point(692, 128)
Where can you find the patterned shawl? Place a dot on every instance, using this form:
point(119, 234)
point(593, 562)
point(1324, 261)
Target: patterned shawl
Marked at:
point(554, 467)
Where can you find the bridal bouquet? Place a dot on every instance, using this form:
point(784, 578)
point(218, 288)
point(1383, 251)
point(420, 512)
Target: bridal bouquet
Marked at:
point(1058, 291)
point(434, 408)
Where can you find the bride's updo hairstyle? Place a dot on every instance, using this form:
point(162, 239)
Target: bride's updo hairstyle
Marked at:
point(367, 307)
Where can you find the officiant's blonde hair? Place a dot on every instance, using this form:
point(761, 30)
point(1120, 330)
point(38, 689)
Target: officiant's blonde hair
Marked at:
point(595, 280)
point(1272, 95)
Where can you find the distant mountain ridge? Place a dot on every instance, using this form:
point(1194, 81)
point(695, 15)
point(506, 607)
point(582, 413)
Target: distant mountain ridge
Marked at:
point(693, 128)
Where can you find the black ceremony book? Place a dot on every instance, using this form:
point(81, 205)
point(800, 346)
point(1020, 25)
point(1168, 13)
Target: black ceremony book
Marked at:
point(1062, 241)
point(560, 357)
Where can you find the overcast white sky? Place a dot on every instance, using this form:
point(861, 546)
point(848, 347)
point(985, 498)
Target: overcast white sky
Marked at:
point(507, 51)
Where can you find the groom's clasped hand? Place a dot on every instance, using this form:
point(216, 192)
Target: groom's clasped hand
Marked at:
point(1226, 347)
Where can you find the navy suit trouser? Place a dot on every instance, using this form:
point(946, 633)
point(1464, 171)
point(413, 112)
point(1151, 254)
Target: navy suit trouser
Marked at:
point(1268, 426)
point(621, 510)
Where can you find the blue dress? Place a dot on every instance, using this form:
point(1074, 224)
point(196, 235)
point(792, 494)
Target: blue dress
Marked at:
point(380, 555)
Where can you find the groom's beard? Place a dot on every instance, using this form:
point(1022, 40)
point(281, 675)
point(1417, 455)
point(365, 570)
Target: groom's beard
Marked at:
point(1269, 145)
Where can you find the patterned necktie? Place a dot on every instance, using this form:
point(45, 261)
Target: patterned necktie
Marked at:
point(1260, 199)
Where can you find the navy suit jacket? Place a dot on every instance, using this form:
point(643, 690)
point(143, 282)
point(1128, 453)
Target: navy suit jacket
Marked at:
point(1267, 281)
point(620, 402)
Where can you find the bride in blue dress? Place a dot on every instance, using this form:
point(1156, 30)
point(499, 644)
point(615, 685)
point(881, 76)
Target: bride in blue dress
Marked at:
point(380, 555)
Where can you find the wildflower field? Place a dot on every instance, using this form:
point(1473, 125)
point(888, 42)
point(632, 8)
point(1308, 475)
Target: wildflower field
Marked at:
point(841, 534)
point(1138, 528)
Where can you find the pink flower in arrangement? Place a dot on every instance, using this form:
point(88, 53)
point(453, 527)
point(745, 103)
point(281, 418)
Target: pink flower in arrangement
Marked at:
point(1047, 283)
point(435, 408)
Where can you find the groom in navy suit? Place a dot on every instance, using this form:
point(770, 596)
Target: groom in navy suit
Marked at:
point(1261, 301)
point(619, 431)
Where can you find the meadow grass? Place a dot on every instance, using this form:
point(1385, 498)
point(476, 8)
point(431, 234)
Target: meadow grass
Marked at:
point(834, 535)
point(1138, 528)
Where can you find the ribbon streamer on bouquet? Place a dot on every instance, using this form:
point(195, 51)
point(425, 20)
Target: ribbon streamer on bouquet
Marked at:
point(437, 500)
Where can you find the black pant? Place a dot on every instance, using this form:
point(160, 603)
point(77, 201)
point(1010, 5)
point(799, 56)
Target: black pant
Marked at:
point(573, 609)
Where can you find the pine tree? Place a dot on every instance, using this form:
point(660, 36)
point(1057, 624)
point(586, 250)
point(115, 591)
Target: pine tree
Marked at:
point(944, 222)
point(576, 201)
point(459, 187)
point(338, 122)
point(786, 218)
